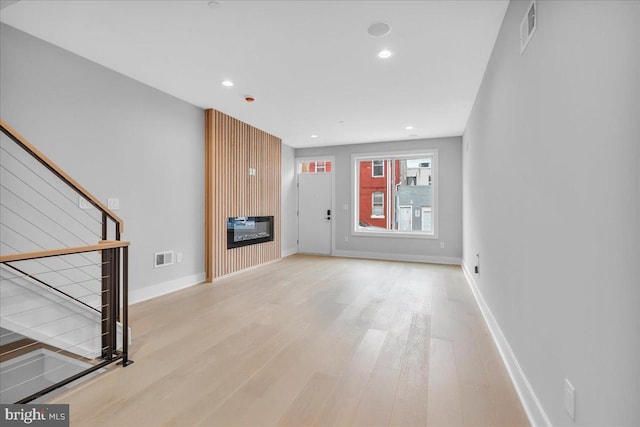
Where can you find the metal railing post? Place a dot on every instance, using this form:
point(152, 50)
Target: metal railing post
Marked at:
point(104, 226)
point(117, 270)
point(113, 302)
point(107, 349)
point(125, 307)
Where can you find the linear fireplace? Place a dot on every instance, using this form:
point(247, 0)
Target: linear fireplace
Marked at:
point(249, 230)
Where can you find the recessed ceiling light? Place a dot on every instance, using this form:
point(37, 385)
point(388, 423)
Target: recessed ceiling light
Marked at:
point(314, 136)
point(379, 29)
point(214, 5)
point(227, 83)
point(385, 54)
point(409, 127)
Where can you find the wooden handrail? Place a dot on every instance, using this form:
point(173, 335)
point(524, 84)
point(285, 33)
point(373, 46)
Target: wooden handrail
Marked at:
point(105, 244)
point(49, 164)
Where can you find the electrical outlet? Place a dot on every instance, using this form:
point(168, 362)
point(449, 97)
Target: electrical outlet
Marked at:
point(441, 245)
point(570, 399)
point(113, 204)
point(179, 257)
point(346, 238)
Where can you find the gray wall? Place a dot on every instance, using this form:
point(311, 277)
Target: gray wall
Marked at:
point(289, 206)
point(412, 249)
point(7, 336)
point(118, 138)
point(552, 203)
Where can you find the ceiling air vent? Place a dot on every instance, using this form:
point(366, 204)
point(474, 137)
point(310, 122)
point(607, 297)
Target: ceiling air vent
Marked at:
point(163, 259)
point(528, 25)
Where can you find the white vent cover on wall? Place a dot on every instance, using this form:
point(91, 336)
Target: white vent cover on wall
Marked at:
point(528, 25)
point(162, 259)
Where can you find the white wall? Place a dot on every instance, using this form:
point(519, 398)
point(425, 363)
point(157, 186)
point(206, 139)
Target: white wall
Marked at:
point(7, 337)
point(552, 204)
point(118, 138)
point(410, 249)
point(289, 205)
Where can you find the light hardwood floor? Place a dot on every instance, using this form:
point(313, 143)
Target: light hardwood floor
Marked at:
point(309, 341)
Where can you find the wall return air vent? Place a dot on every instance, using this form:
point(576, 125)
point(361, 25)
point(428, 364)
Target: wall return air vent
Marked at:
point(162, 259)
point(528, 26)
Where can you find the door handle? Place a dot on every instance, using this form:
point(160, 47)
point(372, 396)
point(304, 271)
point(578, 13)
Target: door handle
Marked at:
point(328, 214)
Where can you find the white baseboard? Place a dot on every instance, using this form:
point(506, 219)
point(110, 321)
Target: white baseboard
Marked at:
point(398, 257)
point(289, 252)
point(533, 408)
point(146, 293)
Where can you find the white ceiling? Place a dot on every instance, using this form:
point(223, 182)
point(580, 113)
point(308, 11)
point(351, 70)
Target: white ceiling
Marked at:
point(309, 64)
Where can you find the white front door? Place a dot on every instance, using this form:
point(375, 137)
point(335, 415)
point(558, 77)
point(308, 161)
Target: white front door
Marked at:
point(427, 220)
point(314, 213)
point(405, 220)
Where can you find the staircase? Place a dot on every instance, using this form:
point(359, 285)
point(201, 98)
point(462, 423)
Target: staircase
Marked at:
point(38, 312)
point(63, 276)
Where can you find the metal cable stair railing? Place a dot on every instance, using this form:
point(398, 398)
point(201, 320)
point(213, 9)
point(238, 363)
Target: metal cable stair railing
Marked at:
point(63, 277)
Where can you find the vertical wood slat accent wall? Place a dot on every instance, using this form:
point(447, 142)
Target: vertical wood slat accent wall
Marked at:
point(231, 148)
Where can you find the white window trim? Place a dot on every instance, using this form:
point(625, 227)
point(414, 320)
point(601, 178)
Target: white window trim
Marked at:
point(392, 155)
point(373, 204)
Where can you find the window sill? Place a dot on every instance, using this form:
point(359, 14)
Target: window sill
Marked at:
point(395, 234)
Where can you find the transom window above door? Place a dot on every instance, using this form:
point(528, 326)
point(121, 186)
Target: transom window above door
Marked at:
point(315, 166)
